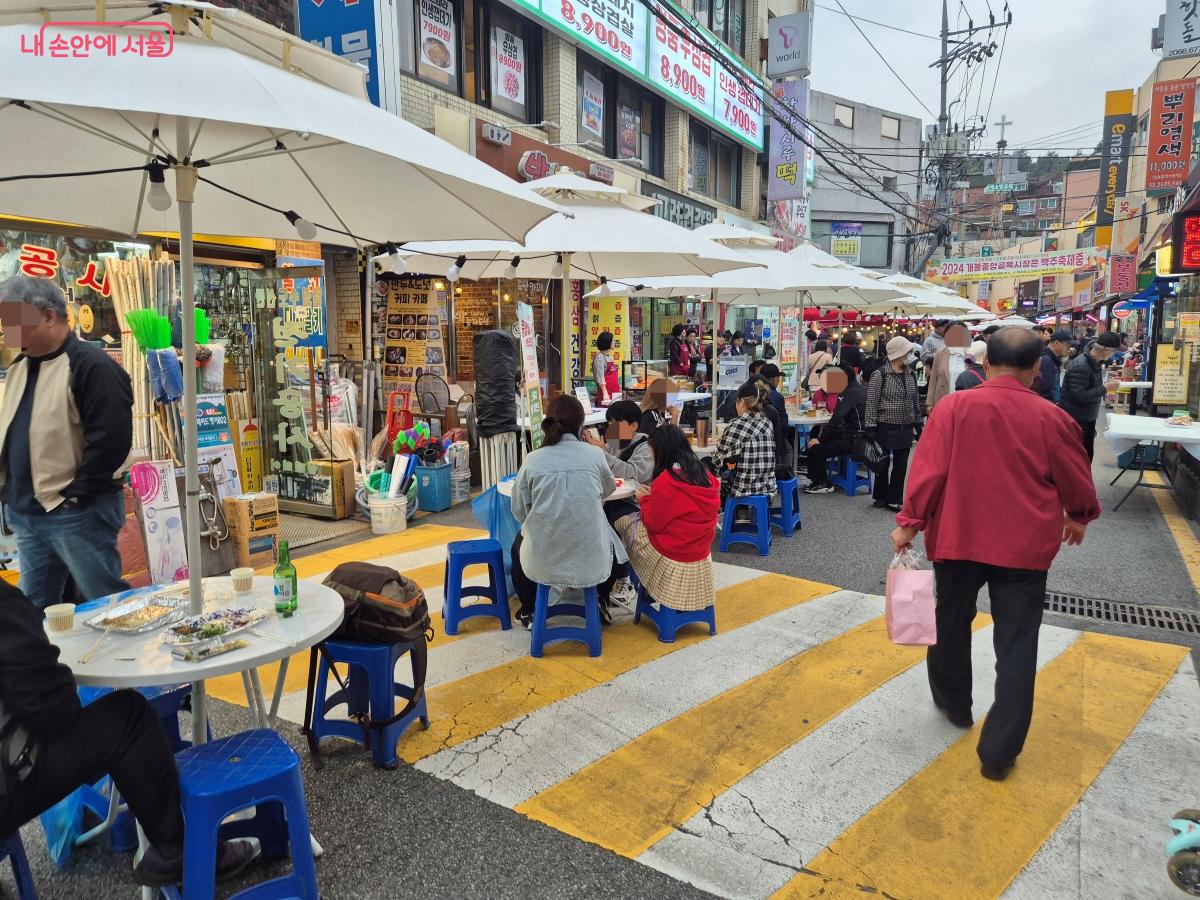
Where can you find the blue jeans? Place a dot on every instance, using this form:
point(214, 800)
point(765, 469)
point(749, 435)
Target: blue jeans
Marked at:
point(74, 539)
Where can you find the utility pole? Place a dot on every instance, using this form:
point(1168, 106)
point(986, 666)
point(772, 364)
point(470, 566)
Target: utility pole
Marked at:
point(998, 214)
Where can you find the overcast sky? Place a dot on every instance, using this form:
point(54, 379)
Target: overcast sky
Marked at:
point(1061, 56)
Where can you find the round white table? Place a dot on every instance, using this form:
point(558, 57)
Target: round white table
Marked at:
point(623, 492)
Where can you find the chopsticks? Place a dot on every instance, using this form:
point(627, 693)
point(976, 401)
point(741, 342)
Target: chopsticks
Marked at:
point(272, 637)
point(91, 651)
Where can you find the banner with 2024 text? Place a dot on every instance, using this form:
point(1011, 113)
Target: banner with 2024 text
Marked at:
point(1027, 265)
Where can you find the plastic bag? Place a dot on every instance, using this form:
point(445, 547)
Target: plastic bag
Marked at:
point(493, 511)
point(911, 612)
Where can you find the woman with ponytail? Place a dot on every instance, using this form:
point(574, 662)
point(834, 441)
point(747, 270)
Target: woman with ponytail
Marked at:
point(558, 498)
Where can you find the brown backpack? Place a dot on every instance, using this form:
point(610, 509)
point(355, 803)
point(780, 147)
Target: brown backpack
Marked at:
point(382, 607)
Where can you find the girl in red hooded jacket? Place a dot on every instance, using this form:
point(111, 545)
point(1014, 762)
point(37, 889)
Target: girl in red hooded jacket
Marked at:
point(669, 543)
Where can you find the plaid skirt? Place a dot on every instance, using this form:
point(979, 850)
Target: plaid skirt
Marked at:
point(680, 585)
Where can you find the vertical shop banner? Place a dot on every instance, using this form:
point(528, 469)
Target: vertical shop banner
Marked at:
point(845, 241)
point(577, 304)
point(302, 301)
point(1122, 274)
point(438, 37)
point(214, 440)
point(608, 314)
point(1168, 137)
point(1171, 370)
point(533, 384)
point(508, 65)
point(739, 103)
point(591, 114)
point(1114, 160)
point(682, 69)
point(1181, 32)
point(1126, 226)
point(787, 163)
point(413, 343)
point(345, 28)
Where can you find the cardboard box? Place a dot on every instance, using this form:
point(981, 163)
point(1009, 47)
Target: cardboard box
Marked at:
point(340, 495)
point(253, 528)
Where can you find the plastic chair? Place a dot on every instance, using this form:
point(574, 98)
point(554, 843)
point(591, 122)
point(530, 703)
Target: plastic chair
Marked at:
point(371, 688)
point(459, 555)
point(845, 473)
point(253, 768)
point(12, 849)
point(787, 516)
point(668, 621)
point(757, 533)
point(542, 633)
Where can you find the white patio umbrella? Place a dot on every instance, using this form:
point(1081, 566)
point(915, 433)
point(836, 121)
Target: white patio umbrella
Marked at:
point(933, 299)
point(259, 142)
point(603, 234)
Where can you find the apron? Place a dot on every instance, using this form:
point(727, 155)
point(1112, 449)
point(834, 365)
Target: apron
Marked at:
point(612, 381)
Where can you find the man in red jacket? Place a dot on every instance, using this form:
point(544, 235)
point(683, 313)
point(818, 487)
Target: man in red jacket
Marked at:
point(1003, 449)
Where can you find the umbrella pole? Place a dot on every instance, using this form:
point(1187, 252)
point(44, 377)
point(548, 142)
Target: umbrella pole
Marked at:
point(185, 185)
point(712, 376)
point(564, 350)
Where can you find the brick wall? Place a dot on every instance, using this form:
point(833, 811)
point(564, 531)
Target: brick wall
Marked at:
point(343, 304)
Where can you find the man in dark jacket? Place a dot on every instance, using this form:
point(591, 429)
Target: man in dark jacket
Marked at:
point(1083, 386)
point(836, 436)
point(51, 746)
point(776, 410)
point(1047, 384)
point(66, 426)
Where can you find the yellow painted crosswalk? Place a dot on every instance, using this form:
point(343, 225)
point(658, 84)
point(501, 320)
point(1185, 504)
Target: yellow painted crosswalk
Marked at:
point(796, 753)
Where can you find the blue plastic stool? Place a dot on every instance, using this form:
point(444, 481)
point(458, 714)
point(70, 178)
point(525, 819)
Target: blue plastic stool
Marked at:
point(371, 688)
point(253, 768)
point(758, 533)
point(787, 516)
point(12, 849)
point(167, 703)
point(543, 634)
point(845, 474)
point(459, 555)
point(668, 621)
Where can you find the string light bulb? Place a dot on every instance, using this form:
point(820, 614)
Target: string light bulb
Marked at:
point(510, 271)
point(455, 271)
point(557, 271)
point(159, 197)
point(396, 262)
point(605, 290)
point(304, 228)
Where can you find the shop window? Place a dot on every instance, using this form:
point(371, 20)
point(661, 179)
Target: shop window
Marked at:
point(514, 53)
point(843, 115)
point(714, 165)
point(439, 43)
point(619, 118)
point(890, 128)
point(726, 19)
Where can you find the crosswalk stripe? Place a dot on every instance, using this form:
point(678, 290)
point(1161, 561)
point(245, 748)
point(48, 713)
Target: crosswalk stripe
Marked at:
point(1145, 782)
point(510, 764)
point(632, 798)
point(1181, 531)
point(950, 833)
point(757, 834)
point(471, 706)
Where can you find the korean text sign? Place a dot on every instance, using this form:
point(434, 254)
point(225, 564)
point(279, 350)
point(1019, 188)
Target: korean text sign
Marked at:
point(1168, 136)
point(1029, 265)
point(786, 170)
point(347, 29)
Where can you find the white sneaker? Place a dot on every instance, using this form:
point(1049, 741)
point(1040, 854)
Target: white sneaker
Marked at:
point(624, 594)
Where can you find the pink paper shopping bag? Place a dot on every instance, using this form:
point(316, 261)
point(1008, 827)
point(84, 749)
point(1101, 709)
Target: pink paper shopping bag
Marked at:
point(911, 608)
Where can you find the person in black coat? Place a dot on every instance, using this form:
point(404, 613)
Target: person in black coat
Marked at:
point(837, 436)
point(1083, 386)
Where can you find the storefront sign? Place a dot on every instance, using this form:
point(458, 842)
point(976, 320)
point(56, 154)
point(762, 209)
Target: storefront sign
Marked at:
point(786, 167)
point(508, 65)
point(984, 291)
point(987, 268)
point(1189, 331)
point(494, 134)
point(1027, 296)
point(1114, 160)
point(1171, 370)
point(601, 172)
point(1185, 234)
point(347, 29)
point(845, 241)
point(1168, 139)
point(438, 38)
point(533, 384)
point(1127, 226)
point(1122, 310)
point(678, 209)
point(1005, 187)
point(649, 47)
point(789, 43)
point(413, 340)
point(1122, 274)
point(303, 302)
point(1181, 34)
point(534, 164)
point(525, 158)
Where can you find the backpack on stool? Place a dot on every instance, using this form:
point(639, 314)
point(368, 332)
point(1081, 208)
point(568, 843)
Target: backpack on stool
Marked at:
point(382, 607)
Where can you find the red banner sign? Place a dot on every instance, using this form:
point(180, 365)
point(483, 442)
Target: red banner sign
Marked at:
point(1122, 274)
point(1169, 134)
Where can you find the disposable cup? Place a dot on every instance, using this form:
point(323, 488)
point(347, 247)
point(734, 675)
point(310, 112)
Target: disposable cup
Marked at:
point(60, 617)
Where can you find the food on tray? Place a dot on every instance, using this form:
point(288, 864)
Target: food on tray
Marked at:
point(1185, 421)
point(212, 625)
point(138, 618)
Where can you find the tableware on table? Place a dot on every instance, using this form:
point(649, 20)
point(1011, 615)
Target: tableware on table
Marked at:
point(243, 579)
point(196, 635)
point(60, 617)
point(91, 651)
point(138, 615)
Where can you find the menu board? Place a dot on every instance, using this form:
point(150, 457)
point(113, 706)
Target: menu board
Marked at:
point(659, 51)
point(1171, 370)
point(438, 40)
point(413, 338)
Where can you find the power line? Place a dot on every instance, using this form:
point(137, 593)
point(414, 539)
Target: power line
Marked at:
point(896, 74)
point(932, 37)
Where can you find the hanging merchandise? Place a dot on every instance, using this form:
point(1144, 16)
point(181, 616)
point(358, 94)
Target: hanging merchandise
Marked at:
point(154, 484)
point(215, 440)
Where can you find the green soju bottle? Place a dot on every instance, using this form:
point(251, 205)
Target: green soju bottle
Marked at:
point(285, 583)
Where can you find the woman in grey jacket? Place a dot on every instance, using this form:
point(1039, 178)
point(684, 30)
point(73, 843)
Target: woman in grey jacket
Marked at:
point(558, 498)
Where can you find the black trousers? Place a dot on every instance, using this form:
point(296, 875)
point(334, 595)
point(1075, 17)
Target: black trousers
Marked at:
point(118, 735)
point(1089, 437)
point(889, 484)
point(819, 456)
point(527, 589)
point(1017, 596)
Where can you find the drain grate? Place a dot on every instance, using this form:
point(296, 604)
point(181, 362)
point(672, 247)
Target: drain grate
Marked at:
point(1163, 617)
